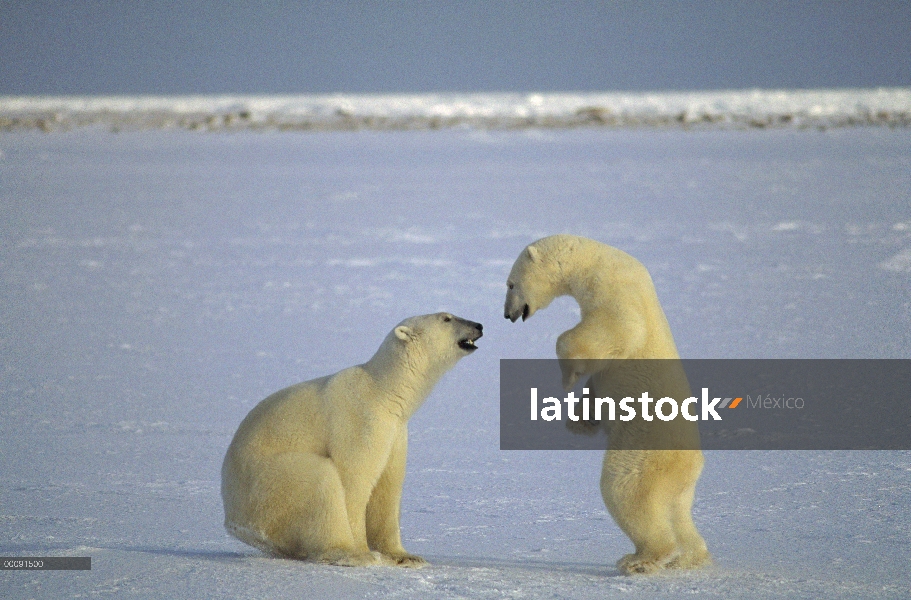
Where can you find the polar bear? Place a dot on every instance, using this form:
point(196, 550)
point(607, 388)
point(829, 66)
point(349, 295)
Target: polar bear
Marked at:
point(315, 471)
point(648, 492)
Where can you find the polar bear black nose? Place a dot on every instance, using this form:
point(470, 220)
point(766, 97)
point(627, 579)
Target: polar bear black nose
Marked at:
point(479, 327)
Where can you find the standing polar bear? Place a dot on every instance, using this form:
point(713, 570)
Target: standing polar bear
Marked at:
point(648, 492)
point(315, 471)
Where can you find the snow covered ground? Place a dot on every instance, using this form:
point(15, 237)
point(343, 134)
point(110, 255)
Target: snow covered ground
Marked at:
point(155, 285)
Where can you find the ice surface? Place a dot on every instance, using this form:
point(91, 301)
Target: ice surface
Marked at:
point(714, 110)
point(154, 286)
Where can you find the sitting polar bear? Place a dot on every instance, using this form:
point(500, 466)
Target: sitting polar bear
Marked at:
point(315, 471)
point(648, 492)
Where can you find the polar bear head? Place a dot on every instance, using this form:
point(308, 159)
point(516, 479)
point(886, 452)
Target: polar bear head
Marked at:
point(443, 332)
point(536, 278)
point(428, 345)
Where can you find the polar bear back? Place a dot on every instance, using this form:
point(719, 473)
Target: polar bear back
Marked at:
point(290, 420)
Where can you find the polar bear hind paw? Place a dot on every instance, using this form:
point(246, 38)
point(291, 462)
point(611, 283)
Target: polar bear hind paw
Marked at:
point(633, 564)
point(692, 561)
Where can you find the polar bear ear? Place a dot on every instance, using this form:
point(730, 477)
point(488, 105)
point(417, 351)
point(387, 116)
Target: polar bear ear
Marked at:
point(532, 253)
point(404, 333)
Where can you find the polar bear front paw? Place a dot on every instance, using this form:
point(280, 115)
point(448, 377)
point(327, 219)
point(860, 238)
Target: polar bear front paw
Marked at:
point(410, 561)
point(581, 427)
point(359, 559)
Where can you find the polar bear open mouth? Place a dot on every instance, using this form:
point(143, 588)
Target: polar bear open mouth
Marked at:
point(468, 344)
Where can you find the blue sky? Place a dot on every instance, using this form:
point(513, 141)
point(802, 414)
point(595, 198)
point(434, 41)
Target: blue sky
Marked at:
point(206, 46)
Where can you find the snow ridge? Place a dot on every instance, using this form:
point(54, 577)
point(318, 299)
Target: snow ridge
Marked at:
point(800, 109)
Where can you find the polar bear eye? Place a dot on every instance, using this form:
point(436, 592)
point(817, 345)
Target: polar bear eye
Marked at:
point(447, 318)
point(510, 285)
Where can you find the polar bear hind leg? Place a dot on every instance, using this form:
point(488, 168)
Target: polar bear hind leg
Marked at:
point(694, 552)
point(654, 509)
point(638, 499)
point(303, 497)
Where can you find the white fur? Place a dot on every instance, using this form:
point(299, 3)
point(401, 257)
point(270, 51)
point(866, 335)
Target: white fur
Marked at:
point(315, 471)
point(649, 493)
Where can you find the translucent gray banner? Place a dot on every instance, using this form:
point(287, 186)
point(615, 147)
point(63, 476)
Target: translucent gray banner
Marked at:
point(46, 563)
point(787, 404)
